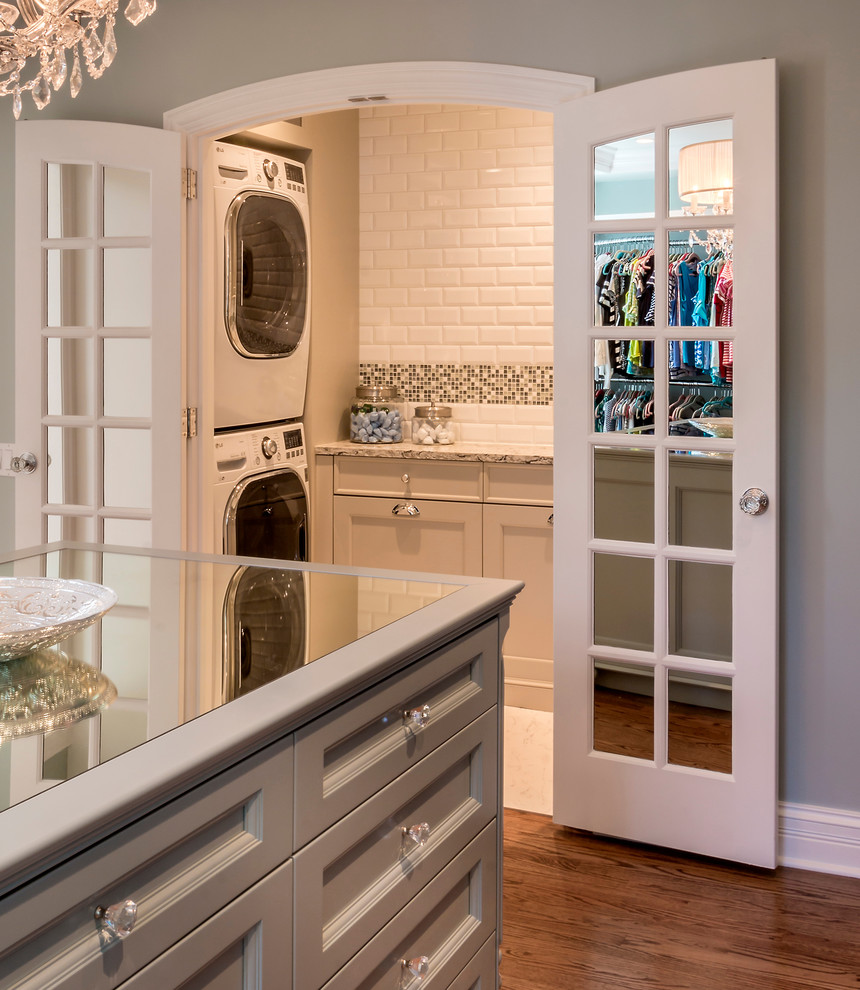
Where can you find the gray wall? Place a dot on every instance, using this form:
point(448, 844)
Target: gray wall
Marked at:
point(192, 48)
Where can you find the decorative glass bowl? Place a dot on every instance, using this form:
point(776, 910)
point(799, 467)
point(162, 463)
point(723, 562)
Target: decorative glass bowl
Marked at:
point(46, 690)
point(37, 612)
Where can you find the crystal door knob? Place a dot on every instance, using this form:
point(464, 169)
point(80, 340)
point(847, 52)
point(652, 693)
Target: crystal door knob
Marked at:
point(417, 834)
point(417, 717)
point(117, 920)
point(418, 967)
point(24, 463)
point(754, 501)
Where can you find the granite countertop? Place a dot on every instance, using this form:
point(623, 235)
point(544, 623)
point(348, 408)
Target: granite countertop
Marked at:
point(493, 453)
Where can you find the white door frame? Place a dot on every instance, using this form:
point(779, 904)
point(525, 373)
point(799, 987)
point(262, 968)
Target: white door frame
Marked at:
point(321, 91)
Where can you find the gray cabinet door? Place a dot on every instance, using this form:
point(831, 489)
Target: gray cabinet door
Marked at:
point(246, 946)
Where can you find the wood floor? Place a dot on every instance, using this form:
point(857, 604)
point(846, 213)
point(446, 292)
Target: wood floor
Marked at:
point(587, 913)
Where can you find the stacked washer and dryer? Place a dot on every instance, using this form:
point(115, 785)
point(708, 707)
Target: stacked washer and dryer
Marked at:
point(262, 237)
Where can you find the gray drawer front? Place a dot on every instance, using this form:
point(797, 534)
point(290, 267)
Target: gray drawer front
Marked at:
point(480, 972)
point(348, 754)
point(241, 948)
point(357, 875)
point(180, 864)
point(448, 922)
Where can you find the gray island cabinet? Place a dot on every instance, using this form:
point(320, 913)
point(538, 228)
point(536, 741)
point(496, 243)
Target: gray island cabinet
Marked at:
point(338, 826)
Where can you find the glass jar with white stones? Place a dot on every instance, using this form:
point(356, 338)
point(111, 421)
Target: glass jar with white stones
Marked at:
point(432, 424)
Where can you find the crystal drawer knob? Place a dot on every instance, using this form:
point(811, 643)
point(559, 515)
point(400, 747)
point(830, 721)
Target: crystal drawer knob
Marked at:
point(117, 920)
point(417, 718)
point(418, 967)
point(754, 501)
point(416, 834)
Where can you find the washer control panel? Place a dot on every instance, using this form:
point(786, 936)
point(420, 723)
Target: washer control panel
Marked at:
point(249, 450)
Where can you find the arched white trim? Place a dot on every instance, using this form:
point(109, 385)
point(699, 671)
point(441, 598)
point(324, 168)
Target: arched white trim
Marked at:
point(399, 82)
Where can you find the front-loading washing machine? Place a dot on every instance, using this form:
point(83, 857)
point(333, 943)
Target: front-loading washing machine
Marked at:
point(261, 510)
point(262, 285)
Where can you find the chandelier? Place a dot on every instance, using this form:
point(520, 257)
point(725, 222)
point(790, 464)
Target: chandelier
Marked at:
point(36, 34)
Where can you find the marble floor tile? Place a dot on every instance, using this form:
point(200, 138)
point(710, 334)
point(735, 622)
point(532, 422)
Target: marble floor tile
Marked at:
point(528, 760)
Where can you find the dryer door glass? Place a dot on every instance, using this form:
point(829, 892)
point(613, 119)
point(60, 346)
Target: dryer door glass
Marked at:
point(265, 622)
point(267, 275)
point(270, 519)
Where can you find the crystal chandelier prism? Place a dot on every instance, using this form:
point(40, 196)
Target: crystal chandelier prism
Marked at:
point(38, 36)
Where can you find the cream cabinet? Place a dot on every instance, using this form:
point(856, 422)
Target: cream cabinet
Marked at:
point(474, 517)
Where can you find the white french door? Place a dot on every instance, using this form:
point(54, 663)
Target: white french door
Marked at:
point(98, 335)
point(666, 415)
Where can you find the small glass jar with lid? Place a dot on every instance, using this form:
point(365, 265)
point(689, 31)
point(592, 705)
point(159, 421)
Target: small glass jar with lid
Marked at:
point(376, 415)
point(432, 424)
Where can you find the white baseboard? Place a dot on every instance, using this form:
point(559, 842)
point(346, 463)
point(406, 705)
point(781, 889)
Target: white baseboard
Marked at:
point(822, 839)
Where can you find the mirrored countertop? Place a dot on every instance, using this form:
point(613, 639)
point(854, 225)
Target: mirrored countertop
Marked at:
point(190, 634)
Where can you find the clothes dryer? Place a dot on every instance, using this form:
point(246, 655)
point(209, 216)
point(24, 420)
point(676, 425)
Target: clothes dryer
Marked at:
point(263, 306)
point(261, 510)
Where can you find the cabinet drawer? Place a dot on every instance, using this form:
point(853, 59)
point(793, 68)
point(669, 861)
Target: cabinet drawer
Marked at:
point(447, 922)
point(480, 971)
point(358, 874)
point(348, 754)
point(521, 484)
point(241, 946)
point(457, 480)
point(438, 537)
point(180, 864)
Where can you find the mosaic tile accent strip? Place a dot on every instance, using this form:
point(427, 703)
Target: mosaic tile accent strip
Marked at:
point(487, 384)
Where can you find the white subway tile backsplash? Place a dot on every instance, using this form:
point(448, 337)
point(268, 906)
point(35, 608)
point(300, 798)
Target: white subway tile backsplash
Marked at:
point(516, 196)
point(374, 240)
point(479, 236)
point(405, 163)
point(509, 157)
point(446, 237)
point(460, 179)
point(407, 276)
point(460, 296)
point(479, 198)
point(393, 220)
point(461, 257)
point(535, 175)
point(456, 252)
point(425, 297)
point(407, 238)
point(445, 121)
point(511, 117)
point(491, 333)
point(420, 144)
point(460, 140)
point(532, 136)
point(502, 137)
point(499, 216)
point(459, 335)
point(445, 276)
point(478, 118)
point(481, 276)
point(460, 218)
point(480, 159)
point(424, 180)
point(410, 124)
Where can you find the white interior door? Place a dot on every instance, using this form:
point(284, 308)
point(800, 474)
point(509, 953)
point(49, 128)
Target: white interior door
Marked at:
point(665, 590)
point(98, 333)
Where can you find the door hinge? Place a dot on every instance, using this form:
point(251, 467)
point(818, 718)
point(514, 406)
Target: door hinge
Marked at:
point(189, 183)
point(189, 423)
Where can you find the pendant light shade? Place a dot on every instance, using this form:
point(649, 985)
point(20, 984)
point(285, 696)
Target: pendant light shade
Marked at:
point(705, 176)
